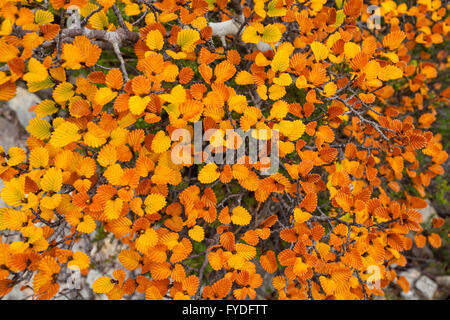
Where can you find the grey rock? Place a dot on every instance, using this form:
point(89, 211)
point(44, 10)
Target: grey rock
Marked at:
point(92, 275)
point(410, 295)
point(443, 281)
point(9, 134)
point(87, 289)
point(427, 212)
point(21, 103)
point(411, 275)
point(17, 294)
point(426, 287)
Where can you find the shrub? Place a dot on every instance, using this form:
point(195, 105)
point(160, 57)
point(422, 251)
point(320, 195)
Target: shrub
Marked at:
point(341, 98)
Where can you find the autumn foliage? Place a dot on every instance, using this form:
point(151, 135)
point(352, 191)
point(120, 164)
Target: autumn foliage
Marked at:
point(353, 105)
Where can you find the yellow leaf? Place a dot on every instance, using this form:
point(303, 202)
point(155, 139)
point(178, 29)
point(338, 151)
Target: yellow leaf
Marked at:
point(283, 80)
point(102, 285)
point(319, 50)
point(13, 192)
point(154, 40)
point(63, 92)
point(16, 156)
point(39, 157)
point(330, 89)
point(276, 92)
point(262, 92)
point(371, 69)
point(271, 34)
point(80, 261)
point(209, 173)
point(240, 216)
point(301, 82)
point(251, 33)
point(390, 73)
point(161, 142)
point(351, 49)
point(393, 40)
point(279, 110)
point(64, 134)
point(301, 216)
point(244, 78)
point(137, 104)
point(280, 62)
point(104, 96)
point(52, 180)
point(146, 240)
point(36, 71)
point(197, 233)
point(177, 95)
point(187, 38)
point(300, 267)
point(43, 16)
point(154, 202)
